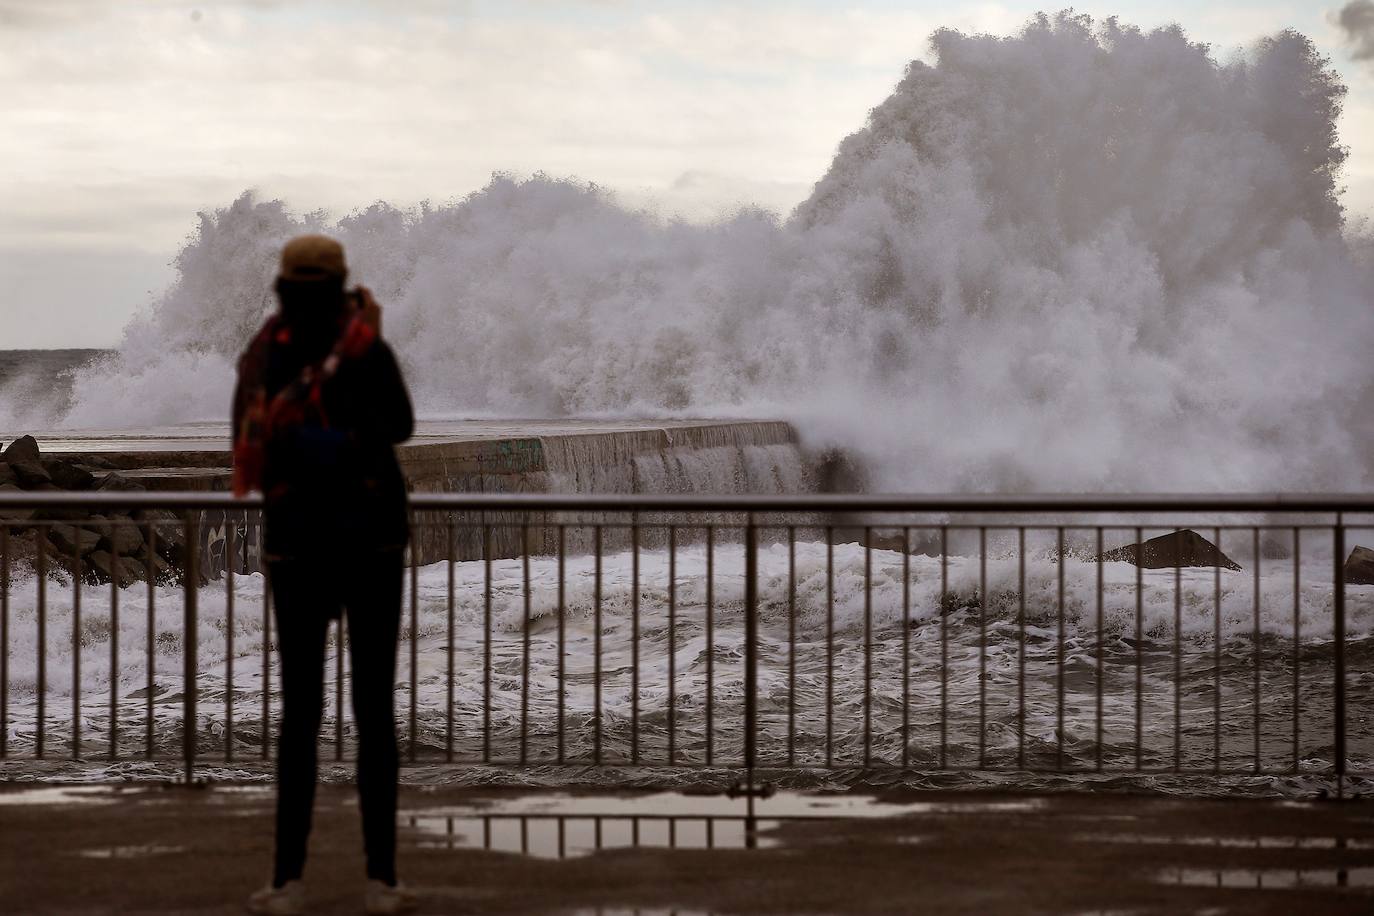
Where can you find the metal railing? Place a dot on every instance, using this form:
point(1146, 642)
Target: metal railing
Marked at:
point(923, 633)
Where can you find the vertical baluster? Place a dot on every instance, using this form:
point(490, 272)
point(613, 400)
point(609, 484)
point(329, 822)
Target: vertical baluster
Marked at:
point(710, 643)
point(944, 646)
point(906, 646)
point(829, 646)
point(596, 607)
point(414, 644)
point(1100, 650)
point(525, 651)
point(41, 565)
point(672, 645)
point(486, 640)
point(1216, 656)
point(1255, 646)
point(230, 562)
point(634, 639)
point(76, 643)
point(1059, 655)
point(1139, 640)
point(868, 643)
point(191, 633)
point(562, 634)
point(1338, 633)
point(1297, 647)
point(791, 645)
point(451, 638)
point(982, 647)
point(1178, 651)
point(1021, 647)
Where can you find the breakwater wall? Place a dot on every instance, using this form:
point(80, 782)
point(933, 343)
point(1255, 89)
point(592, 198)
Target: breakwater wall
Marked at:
point(682, 456)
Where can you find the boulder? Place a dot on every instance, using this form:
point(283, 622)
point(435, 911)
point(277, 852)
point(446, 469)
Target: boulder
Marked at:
point(103, 566)
point(10, 516)
point(122, 540)
point(119, 483)
point(73, 541)
point(30, 474)
point(68, 475)
point(1359, 567)
point(1176, 549)
point(23, 449)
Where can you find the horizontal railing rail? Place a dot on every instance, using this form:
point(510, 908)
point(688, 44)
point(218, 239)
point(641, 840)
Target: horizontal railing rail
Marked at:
point(911, 632)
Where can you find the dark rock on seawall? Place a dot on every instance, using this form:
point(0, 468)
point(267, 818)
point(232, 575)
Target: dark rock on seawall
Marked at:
point(1185, 548)
point(23, 449)
point(68, 475)
point(1359, 567)
point(30, 474)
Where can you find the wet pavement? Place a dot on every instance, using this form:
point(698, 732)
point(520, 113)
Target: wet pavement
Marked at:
point(141, 848)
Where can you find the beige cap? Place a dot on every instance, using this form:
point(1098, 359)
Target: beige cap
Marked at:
point(312, 257)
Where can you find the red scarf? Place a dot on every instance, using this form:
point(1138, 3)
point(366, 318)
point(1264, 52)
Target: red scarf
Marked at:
point(298, 404)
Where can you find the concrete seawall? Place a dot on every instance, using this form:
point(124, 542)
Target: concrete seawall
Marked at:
point(557, 456)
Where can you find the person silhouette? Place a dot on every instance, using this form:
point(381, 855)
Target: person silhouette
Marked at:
point(319, 405)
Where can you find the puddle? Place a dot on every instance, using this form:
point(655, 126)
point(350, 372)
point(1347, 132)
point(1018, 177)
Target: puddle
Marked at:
point(1270, 878)
point(59, 795)
point(129, 852)
point(783, 805)
point(564, 826)
point(562, 836)
point(1231, 842)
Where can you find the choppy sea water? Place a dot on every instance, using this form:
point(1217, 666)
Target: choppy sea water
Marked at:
point(853, 671)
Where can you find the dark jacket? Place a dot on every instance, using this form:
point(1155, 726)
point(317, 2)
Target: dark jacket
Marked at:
point(336, 490)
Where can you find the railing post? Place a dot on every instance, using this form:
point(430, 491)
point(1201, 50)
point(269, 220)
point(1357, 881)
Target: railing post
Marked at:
point(1338, 632)
point(191, 580)
point(751, 623)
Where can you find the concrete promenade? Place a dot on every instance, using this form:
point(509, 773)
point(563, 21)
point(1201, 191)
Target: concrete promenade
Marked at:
point(154, 850)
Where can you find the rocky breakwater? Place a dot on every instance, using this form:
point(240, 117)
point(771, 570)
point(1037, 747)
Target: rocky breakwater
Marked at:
point(100, 547)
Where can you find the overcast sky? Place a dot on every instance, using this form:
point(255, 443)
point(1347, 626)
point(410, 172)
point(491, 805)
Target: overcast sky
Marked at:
point(120, 120)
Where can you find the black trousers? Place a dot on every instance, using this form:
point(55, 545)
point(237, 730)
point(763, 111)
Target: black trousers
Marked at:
point(307, 593)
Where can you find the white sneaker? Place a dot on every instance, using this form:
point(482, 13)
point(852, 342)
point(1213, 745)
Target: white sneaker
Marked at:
point(384, 900)
point(287, 900)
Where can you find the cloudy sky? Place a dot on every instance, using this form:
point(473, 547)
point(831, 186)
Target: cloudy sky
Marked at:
point(120, 120)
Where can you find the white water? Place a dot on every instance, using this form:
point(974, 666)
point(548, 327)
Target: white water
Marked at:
point(1081, 258)
point(828, 636)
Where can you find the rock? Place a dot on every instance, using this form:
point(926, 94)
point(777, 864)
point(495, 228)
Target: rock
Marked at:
point(1359, 567)
point(1176, 549)
point(7, 475)
point(122, 540)
point(1276, 545)
point(67, 475)
point(119, 483)
point(23, 449)
point(73, 541)
point(30, 474)
point(104, 566)
point(97, 462)
point(162, 570)
point(12, 516)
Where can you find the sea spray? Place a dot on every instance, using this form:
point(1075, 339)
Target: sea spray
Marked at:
point(1086, 257)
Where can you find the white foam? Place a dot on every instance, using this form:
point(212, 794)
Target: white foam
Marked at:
point(1083, 258)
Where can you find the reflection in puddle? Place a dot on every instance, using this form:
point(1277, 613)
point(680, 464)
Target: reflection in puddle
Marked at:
point(59, 795)
point(1231, 842)
point(781, 805)
point(1270, 878)
point(559, 836)
point(129, 852)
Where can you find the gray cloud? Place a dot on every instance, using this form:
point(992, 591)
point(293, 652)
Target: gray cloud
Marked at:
point(1356, 20)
